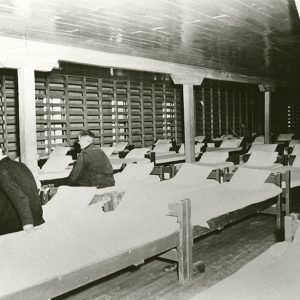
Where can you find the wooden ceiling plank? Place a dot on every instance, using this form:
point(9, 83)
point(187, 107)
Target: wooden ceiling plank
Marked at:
point(239, 36)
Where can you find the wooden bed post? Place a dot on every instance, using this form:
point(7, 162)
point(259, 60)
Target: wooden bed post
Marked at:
point(185, 247)
point(291, 223)
point(278, 178)
point(287, 177)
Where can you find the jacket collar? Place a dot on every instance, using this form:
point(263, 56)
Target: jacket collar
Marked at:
point(90, 146)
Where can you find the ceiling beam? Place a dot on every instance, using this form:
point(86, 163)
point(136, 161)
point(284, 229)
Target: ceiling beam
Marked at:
point(44, 57)
point(187, 79)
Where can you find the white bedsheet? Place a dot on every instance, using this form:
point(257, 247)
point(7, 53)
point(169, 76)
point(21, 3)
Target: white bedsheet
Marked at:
point(88, 235)
point(135, 173)
point(82, 239)
point(53, 175)
point(295, 174)
point(223, 165)
point(118, 162)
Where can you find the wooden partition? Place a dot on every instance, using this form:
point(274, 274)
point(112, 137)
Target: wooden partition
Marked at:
point(121, 105)
point(285, 111)
point(116, 107)
point(9, 129)
point(222, 106)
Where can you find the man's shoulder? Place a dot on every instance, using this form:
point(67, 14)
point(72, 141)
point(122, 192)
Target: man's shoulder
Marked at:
point(94, 150)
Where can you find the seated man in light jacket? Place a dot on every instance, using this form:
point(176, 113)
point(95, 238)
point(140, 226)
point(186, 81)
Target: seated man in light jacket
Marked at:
point(20, 206)
point(92, 167)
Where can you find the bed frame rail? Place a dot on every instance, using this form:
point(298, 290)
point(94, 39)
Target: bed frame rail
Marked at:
point(180, 239)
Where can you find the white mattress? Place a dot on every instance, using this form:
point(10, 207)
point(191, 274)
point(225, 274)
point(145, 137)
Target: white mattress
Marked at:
point(118, 162)
point(273, 275)
point(224, 149)
point(209, 199)
point(87, 237)
point(223, 165)
point(171, 157)
point(53, 175)
point(273, 167)
point(295, 174)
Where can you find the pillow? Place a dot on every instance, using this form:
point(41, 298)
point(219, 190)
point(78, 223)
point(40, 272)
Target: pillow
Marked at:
point(162, 148)
point(108, 150)
point(296, 149)
point(259, 140)
point(138, 153)
point(234, 143)
point(120, 146)
point(293, 143)
point(261, 159)
point(249, 179)
point(285, 136)
point(200, 138)
point(134, 173)
point(214, 157)
point(68, 200)
point(163, 141)
point(197, 148)
point(263, 147)
point(296, 162)
point(59, 151)
point(191, 174)
point(57, 163)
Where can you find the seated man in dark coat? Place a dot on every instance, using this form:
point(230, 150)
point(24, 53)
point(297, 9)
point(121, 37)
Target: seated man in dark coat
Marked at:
point(93, 167)
point(20, 206)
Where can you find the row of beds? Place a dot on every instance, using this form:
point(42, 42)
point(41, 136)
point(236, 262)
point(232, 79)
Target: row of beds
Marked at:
point(92, 233)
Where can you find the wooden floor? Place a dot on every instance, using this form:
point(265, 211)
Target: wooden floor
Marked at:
point(223, 253)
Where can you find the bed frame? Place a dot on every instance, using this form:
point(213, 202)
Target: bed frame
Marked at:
point(176, 247)
point(180, 239)
point(221, 221)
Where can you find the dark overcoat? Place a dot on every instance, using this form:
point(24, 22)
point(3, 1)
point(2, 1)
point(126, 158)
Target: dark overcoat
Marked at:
point(92, 168)
point(19, 199)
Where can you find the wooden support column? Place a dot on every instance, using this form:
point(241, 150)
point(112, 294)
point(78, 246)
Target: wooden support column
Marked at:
point(27, 117)
point(189, 122)
point(267, 89)
point(267, 116)
point(188, 81)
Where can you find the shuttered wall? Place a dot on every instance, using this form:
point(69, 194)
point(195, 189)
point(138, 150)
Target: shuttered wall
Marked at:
point(9, 112)
point(221, 107)
point(135, 109)
point(138, 112)
point(285, 113)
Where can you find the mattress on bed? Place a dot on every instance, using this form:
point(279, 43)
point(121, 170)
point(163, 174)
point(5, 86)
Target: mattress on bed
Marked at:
point(272, 275)
point(208, 199)
point(42, 176)
point(83, 239)
point(295, 175)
